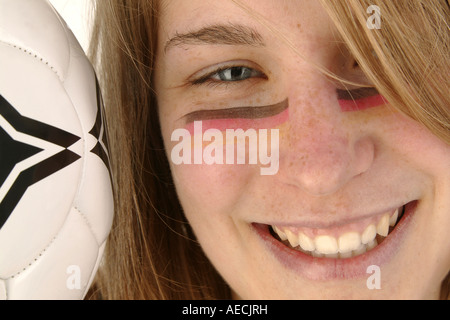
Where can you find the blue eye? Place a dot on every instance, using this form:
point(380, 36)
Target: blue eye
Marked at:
point(229, 74)
point(234, 74)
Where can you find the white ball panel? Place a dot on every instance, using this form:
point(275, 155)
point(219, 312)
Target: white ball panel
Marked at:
point(53, 275)
point(2, 290)
point(95, 197)
point(22, 20)
point(37, 218)
point(35, 90)
point(80, 85)
point(97, 265)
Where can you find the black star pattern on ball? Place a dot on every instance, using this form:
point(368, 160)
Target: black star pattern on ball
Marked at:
point(13, 152)
point(100, 133)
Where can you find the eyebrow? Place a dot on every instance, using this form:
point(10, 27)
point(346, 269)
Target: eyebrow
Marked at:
point(225, 34)
point(238, 112)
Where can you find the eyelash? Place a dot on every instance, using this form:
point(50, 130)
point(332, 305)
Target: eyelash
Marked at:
point(208, 78)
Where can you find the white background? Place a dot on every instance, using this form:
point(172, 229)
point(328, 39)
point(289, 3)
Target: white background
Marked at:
point(77, 14)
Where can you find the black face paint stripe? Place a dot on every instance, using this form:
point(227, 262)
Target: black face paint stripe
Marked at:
point(356, 94)
point(238, 112)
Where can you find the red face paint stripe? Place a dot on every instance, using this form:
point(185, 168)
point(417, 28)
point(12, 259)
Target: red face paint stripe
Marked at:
point(362, 104)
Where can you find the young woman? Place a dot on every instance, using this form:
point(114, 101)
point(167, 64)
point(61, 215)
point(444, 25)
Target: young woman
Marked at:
point(358, 203)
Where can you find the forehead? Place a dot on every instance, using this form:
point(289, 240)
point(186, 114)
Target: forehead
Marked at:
point(303, 16)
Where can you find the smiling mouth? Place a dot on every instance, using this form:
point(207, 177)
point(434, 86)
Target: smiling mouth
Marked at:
point(343, 242)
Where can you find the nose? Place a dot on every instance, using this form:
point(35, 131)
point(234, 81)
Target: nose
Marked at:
point(324, 150)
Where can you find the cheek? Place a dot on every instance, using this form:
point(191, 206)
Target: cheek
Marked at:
point(210, 191)
point(419, 147)
point(220, 187)
point(210, 197)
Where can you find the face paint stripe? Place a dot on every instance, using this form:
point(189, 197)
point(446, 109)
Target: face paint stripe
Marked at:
point(359, 99)
point(242, 123)
point(356, 94)
point(238, 112)
point(362, 104)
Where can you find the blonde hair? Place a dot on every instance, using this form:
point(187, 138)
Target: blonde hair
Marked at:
point(152, 252)
point(407, 59)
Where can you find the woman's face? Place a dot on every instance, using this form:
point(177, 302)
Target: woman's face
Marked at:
point(308, 210)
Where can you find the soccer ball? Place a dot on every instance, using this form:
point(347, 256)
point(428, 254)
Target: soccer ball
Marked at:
point(56, 200)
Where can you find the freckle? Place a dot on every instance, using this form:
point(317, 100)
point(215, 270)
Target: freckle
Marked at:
point(299, 26)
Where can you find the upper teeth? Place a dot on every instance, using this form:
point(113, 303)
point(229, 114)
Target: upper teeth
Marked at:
point(345, 245)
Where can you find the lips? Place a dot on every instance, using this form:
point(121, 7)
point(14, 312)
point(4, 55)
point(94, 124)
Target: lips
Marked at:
point(342, 252)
